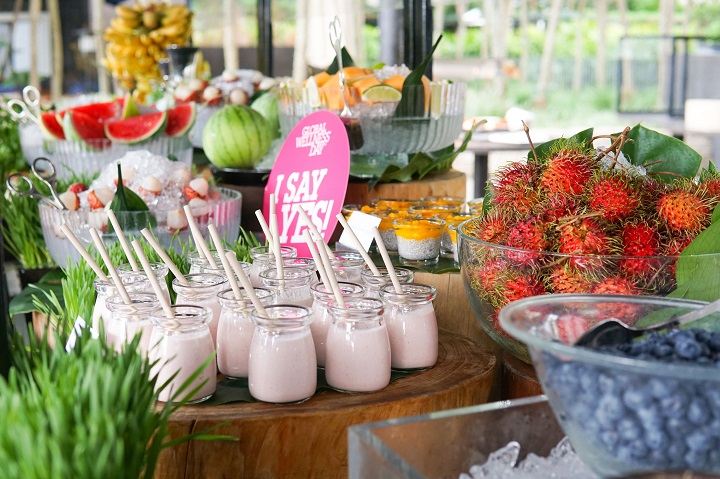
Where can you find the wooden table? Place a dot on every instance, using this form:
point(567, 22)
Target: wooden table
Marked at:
point(309, 440)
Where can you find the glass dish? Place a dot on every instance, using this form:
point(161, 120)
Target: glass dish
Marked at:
point(225, 214)
point(623, 415)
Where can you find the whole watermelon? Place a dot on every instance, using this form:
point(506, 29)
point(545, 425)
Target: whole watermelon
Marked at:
point(236, 137)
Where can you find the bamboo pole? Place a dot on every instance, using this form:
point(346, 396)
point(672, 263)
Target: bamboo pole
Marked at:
point(35, 8)
point(56, 85)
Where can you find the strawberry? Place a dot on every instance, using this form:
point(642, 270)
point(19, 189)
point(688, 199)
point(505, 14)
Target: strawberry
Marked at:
point(566, 279)
point(569, 327)
point(567, 172)
point(99, 197)
point(684, 210)
point(77, 187)
point(615, 197)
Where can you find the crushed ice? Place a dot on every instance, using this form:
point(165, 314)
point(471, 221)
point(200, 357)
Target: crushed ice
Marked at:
point(562, 463)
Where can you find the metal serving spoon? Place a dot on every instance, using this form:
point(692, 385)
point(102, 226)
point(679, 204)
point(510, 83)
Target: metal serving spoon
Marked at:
point(613, 331)
point(336, 38)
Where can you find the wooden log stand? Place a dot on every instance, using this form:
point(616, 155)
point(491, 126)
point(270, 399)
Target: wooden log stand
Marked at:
point(309, 440)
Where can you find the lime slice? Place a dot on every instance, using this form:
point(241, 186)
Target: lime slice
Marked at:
point(379, 93)
point(313, 93)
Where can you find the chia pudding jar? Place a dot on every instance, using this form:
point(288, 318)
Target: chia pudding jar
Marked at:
point(430, 211)
point(236, 329)
point(448, 239)
point(128, 320)
point(387, 232)
point(202, 291)
point(197, 263)
point(182, 345)
point(475, 206)
point(347, 265)
point(391, 204)
point(418, 240)
point(282, 367)
point(293, 288)
point(412, 325)
point(373, 283)
point(442, 200)
point(262, 259)
point(159, 269)
point(358, 346)
point(320, 316)
point(136, 282)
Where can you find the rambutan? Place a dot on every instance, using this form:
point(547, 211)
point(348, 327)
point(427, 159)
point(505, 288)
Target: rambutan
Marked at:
point(516, 187)
point(684, 210)
point(552, 208)
point(639, 239)
point(487, 276)
point(530, 234)
point(585, 236)
point(615, 197)
point(522, 286)
point(615, 285)
point(567, 172)
point(566, 279)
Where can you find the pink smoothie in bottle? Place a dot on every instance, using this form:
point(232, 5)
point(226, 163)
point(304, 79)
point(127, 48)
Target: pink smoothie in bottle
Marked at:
point(358, 347)
point(293, 288)
point(262, 259)
point(133, 282)
point(183, 345)
point(128, 320)
point(236, 330)
point(412, 325)
point(282, 367)
point(320, 316)
point(202, 291)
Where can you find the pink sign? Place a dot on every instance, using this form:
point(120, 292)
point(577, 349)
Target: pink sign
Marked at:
point(311, 171)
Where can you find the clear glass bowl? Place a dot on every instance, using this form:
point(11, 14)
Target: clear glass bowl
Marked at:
point(622, 415)
point(224, 213)
point(375, 130)
point(89, 157)
point(496, 275)
point(203, 116)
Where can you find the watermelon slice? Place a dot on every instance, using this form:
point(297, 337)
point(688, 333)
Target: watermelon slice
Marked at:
point(101, 111)
point(137, 128)
point(81, 126)
point(180, 119)
point(51, 126)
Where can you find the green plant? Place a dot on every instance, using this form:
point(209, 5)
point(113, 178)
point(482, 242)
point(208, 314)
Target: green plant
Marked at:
point(87, 413)
point(23, 235)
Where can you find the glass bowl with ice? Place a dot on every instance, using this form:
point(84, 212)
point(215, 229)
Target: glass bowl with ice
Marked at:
point(165, 186)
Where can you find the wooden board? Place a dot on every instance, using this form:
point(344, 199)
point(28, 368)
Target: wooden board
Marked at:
point(450, 183)
point(309, 440)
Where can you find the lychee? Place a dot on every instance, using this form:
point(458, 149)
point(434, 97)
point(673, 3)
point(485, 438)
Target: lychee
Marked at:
point(70, 200)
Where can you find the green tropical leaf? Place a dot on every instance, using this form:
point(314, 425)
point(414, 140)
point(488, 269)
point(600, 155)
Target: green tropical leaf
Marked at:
point(543, 149)
point(347, 61)
point(412, 103)
point(698, 267)
point(663, 156)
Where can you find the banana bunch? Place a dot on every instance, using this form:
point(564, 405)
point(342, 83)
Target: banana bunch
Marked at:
point(136, 42)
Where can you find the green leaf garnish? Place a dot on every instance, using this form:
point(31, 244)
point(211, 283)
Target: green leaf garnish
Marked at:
point(412, 103)
point(347, 61)
point(544, 149)
point(126, 199)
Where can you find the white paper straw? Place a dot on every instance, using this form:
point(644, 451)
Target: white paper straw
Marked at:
point(225, 264)
point(358, 246)
point(266, 230)
point(123, 241)
point(84, 253)
point(111, 268)
point(200, 243)
point(163, 256)
point(325, 263)
point(245, 282)
point(313, 228)
point(386, 259)
point(276, 243)
point(318, 261)
point(153, 281)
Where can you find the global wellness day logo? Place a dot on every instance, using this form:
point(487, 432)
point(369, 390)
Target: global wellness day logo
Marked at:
point(316, 137)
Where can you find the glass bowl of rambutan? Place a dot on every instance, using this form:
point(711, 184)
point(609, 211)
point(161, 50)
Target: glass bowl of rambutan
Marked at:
point(576, 219)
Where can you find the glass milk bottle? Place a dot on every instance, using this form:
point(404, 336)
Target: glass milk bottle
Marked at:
point(236, 329)
point(293, 288)
point(412, 325)
point(307, 263)
point(202, 291)
point(373, 283)
point(262, 259)
point(197, 263)
point(358, 346)
point(127, 320)
point(160, 270)
point(320, 316)
point(347, 265)
point(132, 282)
point(182, 345)
point(282, 367)
point(221, 271)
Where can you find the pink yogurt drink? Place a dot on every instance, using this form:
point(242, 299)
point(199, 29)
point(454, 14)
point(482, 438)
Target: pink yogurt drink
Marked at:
point(236, 330)
point(320, 316)
point(183, 345)
point(129, 320)
point(293, 288)
point(358, 346)
point(262, 259)
point(202, 291)
point(134, 282)
point(412, 325)
point(282, 367)
point(160, 270)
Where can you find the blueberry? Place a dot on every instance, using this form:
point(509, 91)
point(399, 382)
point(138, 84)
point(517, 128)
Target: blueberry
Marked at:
point(656, 439)
point(638, 449)
point(714, 341)
point(610, 439)
point(589, 381)
point(698, 411)
point(662, 350)
point(609, 409)
point(628, 429)
point(699, 441)
point(606, 382)
point(678, 427)
point(688, 348)
point(676, 452)
point(660, 388)
point(674, 404)
point(712, 395)
point(634, 398)
point(650, 417)
point(658, 459)
point(696, 460)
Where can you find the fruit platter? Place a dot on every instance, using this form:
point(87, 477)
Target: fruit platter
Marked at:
point(635, 218)
point(154, 193)
point(85, 138)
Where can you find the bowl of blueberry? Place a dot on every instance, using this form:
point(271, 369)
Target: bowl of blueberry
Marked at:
point(652, 404)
